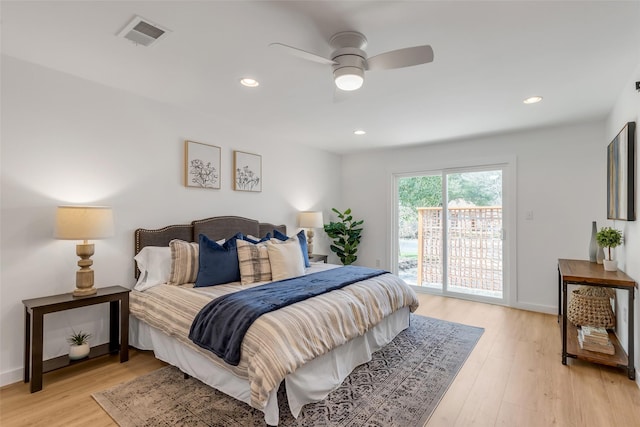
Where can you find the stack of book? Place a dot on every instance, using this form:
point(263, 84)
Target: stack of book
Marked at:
point(595, 339)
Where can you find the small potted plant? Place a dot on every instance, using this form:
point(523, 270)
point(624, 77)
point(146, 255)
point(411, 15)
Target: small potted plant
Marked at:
point(609, 238)
point(79, 348)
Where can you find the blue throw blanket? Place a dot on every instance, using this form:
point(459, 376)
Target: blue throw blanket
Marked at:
point(222, 324)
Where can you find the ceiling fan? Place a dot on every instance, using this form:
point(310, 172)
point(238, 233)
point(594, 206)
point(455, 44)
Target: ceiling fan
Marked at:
point(349, 60)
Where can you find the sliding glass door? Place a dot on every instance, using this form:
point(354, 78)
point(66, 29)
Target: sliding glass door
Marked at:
point(449, 230)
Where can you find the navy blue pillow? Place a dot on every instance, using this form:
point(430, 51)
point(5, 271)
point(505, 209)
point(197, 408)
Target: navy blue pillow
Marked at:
point(218, 263)
point(303, 244)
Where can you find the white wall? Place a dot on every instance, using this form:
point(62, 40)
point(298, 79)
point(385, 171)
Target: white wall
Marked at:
point(65, 140)
point(627, 109)
point(71, 141)
point(561, 177)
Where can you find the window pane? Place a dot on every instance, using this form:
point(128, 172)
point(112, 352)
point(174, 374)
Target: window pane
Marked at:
point(474, 219)
point(414, 246)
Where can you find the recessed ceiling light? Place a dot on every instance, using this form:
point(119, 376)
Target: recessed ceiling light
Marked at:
point(532, 99)
point(249, 82)
point(359, 132)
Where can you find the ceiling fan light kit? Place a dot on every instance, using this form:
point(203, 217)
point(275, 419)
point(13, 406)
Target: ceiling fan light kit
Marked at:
point(349, 60)
point(349, 65)
point(348, 78)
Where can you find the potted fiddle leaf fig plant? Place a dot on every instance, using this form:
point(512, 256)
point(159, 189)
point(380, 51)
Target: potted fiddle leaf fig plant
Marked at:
point(609, 238)
point(346, 236)
point(79, 342)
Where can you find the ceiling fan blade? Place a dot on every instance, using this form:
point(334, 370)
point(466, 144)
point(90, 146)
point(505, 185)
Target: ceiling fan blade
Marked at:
point(302, 54)
point(400, 58)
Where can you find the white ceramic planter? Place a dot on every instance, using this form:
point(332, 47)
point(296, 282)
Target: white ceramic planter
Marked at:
point(79, 351)
point(610, 265)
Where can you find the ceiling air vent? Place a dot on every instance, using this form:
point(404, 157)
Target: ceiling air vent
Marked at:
point(143, 32)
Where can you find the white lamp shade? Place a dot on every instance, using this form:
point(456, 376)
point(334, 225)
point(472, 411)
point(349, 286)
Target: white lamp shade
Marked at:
point(83, 222)
point(310, 220)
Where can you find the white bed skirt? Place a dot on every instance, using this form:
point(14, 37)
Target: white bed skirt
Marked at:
point(310, 383)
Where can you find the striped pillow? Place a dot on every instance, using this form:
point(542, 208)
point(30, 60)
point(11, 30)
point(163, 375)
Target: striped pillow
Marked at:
point(253, 260)
point(184, 262)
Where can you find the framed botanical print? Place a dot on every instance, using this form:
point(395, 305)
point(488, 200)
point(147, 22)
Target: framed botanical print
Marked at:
point(201, 165)
point(247, 171)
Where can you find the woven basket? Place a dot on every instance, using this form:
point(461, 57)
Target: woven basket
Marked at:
point(590, 306)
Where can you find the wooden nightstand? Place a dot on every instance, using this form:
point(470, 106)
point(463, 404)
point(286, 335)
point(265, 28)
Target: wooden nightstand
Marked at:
point(318, 258)
point(36, 308)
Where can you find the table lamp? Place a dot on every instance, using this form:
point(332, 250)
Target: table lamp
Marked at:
point(84, 223)
point(310, 220)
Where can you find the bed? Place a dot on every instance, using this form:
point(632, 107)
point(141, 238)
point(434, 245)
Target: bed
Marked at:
point(311, 345)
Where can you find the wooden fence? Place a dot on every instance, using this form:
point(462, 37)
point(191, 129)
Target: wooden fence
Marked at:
point(475, 247)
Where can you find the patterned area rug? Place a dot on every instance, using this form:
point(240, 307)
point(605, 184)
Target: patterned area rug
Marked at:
point(400, 386)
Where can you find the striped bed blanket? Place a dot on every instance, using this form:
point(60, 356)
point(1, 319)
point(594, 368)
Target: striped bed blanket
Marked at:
point(279, 342)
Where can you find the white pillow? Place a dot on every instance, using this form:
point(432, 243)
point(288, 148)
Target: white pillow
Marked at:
point(285, 258)
point(154, 263)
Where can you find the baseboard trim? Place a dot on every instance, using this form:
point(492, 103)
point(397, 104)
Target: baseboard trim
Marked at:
point(537, 308)
point(10, 377)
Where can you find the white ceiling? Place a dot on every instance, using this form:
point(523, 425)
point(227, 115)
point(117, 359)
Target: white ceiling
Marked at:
point(489, 56)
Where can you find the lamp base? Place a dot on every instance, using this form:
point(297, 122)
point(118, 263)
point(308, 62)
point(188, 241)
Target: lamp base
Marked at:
point(310, 235)
point(84, 276)
point(84, 292)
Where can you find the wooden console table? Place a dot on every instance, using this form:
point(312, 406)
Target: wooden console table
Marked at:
point(579, 272)
point(36, 308)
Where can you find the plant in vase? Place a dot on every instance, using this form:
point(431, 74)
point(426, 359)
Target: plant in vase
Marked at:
point(79, 348)
point(346, 236)
point(609, 238)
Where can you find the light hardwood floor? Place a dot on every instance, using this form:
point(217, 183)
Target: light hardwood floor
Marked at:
point(512, 378)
